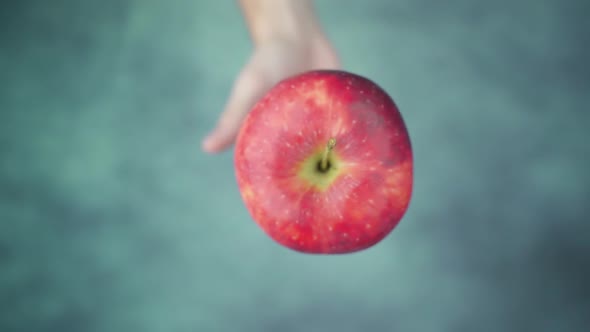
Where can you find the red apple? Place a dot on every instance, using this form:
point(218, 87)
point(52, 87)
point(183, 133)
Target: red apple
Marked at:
point(324, 163)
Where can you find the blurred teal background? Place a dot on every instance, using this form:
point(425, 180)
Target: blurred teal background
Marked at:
point(112, 219)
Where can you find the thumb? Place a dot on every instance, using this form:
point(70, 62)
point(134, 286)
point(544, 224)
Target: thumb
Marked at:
point(246, 90)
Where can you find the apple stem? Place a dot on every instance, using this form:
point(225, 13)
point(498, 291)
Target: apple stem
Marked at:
point(329, 147)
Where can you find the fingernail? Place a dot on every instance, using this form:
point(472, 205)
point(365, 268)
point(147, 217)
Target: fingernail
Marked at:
point(208, 144)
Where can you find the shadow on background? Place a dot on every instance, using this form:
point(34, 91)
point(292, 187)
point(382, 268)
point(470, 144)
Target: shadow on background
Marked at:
point(111, 219)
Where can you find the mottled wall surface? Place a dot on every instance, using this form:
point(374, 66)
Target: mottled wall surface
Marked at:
point(111, 219)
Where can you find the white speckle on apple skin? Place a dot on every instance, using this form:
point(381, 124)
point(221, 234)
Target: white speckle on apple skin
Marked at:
point(368, 226)
point(330, 228)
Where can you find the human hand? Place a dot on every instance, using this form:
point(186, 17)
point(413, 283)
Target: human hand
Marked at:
point(273, 60)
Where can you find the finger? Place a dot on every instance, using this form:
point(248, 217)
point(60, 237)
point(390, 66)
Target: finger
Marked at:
point(247, 89)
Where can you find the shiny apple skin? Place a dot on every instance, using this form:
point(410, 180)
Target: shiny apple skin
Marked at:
point(364, 197)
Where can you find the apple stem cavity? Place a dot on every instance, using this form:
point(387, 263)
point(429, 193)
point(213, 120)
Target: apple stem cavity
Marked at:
point(325, 162)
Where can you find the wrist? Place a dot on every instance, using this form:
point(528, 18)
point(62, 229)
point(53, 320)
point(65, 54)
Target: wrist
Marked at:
point(269, 20)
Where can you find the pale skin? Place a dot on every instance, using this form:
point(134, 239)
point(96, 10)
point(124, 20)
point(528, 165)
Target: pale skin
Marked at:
point(287, 40)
